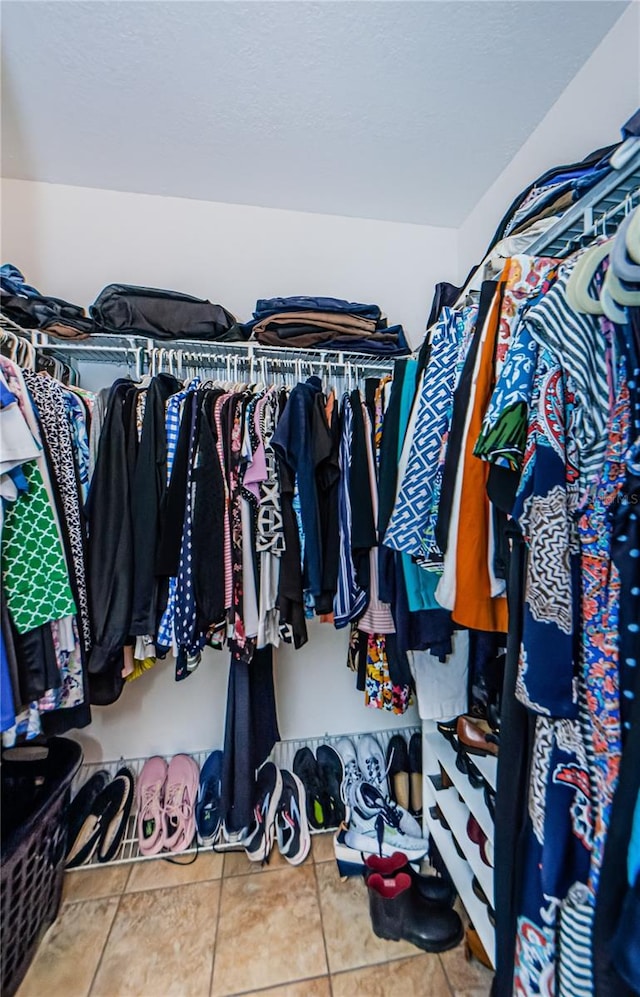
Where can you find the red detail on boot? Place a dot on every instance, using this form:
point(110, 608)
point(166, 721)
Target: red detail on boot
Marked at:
point(389, 888)
point(386, 866)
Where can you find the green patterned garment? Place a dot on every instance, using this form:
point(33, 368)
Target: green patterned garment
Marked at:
point(34, 571)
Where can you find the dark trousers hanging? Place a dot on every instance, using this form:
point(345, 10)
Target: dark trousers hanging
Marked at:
point(251, 730)
point(516, 738)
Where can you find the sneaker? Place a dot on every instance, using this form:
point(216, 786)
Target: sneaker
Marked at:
point(381, 838)
point(183, 776)
point(292, 828)
point(150, 801)
point(332, 774)
point(352, 773)
point(305, 767)
point(372, 764)
point(234, 837)
point(259, 838)
point(369, 802)
point(208, 816)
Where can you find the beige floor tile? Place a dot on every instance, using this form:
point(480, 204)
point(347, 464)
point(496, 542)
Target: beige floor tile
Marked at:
point(417, 977)
point(463, 975)
point(161, 943)
point(347, 926)
point(237, 863)
point(319, 987)
point(93, 883)
point(66, 961)
point(322, 847)
point(153, 874)
point(474, 992)
point(269, 931)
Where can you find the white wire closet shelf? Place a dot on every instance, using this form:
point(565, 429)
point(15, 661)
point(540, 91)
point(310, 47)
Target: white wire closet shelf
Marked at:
point(601, 207)
point(282, 755)
point(151, 356)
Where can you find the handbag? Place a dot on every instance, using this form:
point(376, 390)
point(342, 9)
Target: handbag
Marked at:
point(159, 314)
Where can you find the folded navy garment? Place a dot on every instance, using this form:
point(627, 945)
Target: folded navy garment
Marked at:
point(25, 306)
point(12, 281)
point(270, 306)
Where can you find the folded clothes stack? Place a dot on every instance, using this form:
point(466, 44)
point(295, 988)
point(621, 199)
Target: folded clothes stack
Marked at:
point(25, 306)
point(327, 323)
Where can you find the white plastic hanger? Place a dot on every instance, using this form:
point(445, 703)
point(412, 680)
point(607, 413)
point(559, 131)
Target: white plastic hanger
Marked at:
point(577, 289)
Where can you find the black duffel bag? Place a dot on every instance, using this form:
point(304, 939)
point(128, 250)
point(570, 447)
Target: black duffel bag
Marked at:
point(158, 314)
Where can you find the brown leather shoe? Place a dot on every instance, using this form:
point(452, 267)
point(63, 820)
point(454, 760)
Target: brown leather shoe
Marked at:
point(476, 737)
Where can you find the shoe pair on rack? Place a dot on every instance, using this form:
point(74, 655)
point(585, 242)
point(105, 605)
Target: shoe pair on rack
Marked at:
point(479, 838)
point(97, 817)
point(404, 767)
point(476, 736)
point(280, 814)
point(363, 761)
point(321, 775)
point(404, 905)
point(166, 798)
point(377, 824)
point(471, 735)
point(208, 805)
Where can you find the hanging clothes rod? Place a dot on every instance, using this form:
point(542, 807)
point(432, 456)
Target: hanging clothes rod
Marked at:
point(150, 356)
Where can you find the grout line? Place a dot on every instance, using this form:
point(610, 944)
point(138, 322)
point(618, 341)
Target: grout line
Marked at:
point(215, 934)
point(446, 976)
point(324, 939)
point(278, 986)
point(106, 942)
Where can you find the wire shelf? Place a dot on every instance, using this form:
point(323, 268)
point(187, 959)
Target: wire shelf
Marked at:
point(282, 755)
point(609, 199)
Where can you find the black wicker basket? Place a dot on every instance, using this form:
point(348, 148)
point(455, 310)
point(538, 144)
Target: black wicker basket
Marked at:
point(35, 796)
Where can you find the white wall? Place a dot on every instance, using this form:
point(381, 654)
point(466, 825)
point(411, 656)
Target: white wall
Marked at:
point(588, 115)
point(71, 241)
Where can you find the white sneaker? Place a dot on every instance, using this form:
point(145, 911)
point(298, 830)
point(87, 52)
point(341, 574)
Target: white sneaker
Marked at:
point(369, 802)
point(371, 763)
point(392, 841)
point(352, 773)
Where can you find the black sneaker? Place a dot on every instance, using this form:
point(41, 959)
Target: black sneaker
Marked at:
point(259, 839)
point(292, 828)
point(306, 768)
point(331, 773)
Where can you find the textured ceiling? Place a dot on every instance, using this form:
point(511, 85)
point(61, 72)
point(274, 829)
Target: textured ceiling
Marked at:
point(395, 110)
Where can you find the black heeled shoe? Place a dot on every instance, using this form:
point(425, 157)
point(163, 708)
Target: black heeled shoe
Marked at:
point(398, 771)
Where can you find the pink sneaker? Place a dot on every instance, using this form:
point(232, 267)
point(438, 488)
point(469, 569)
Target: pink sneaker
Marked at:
point(180, 797)
point(149, 797)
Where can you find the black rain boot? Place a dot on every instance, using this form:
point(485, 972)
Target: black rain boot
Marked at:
point(396, 913)
point(432, 889)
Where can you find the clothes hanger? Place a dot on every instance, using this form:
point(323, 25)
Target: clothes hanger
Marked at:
point(632, 238)
point(577, 289)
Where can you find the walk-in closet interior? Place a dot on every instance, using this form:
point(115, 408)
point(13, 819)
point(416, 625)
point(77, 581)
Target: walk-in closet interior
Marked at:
point(320, 498)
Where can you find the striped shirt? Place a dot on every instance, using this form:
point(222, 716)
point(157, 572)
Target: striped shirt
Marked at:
point(579, 343)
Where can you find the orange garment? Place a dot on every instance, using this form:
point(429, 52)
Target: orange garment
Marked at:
point(474, 605)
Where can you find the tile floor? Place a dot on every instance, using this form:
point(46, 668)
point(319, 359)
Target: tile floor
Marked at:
point(222, 926)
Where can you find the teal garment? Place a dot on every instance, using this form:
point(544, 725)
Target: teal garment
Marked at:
point(633, 858)
point(420, 584)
